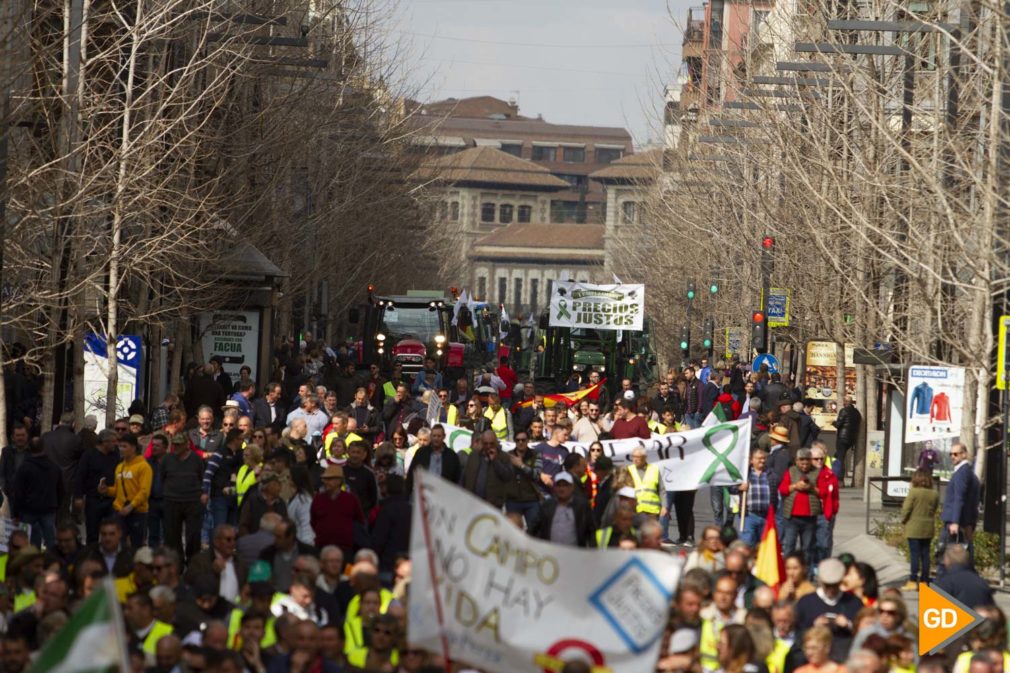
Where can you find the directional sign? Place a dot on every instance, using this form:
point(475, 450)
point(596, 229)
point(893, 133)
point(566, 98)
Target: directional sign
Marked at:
point(777, 309)
point(766, 359)
point(1001, 364)
point(942, 619)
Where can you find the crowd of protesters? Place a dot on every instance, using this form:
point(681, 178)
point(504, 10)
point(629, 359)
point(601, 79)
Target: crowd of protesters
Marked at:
point(267, 530)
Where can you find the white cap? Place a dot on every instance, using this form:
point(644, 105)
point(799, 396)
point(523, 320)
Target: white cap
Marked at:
point(626, 492)
point(683, 640)
point(629, 394)
point(564, 476)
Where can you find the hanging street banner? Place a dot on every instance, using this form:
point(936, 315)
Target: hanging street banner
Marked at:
point(935, 403)
point(485, 594)
point(735, 341)
point(612, 307)
point(717, 455)
point(777, 309)
point(96, 373)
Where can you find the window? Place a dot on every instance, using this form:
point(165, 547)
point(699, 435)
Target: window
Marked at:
point(454, 211)
point(605, 155)
point(629, 210)
point(575, 155)
point(564, 211)
point(505, 213)
point(550, 288)
point(534, 294)
point(481, 287)
point(502, 289)
point(525, 213)
point(515, 149)
point(487, 212)
point(517, 291)
point(545, 153)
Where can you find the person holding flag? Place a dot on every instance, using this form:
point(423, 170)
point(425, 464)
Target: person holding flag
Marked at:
point(758, 492)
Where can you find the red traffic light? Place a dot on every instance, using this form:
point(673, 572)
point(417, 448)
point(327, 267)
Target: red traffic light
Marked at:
point(371, 288)
point(759, 316)
point(768, 242)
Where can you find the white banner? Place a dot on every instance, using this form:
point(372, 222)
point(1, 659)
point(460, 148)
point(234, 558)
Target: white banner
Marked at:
point(234, 336)
point(488, 596)
point(935, 403)
point(612, 307)
point(717, 455)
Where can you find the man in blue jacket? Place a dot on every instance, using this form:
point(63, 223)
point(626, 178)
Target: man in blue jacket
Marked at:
point(960, 504)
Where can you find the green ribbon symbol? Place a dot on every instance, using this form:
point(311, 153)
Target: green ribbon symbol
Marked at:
point(457, 433)
point(721, 459)
point(563, 309)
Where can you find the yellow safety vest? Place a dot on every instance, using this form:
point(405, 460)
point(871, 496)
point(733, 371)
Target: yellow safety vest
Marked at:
point(234, 627)
point(829, 461)
point(124, 587)
point(603, 536)
point(23, 600)
point(656, 427)
point(358, 656)
point(963, 661)
point(452, 415)
point(269, 634)
point(776, 661)
point(499, 423)
point(3, 567)
point(351, 437)
point(354, 635)
point(647, 489)
point(385, 598)
point(708, 646)
point(157, 632)
point(244, 481)
point(388, 389)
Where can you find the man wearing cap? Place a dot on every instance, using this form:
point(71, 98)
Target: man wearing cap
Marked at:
point(64, 448)
point(96, 469)
point(566, 519)
point(778, 463)
point(621, 526)
point(629, 424)
point(141, 578)
point(829, 606)
point(790, 420)
point(334, 512)
point(38, 487)
point(181, 476)
point(264, 497)
point(682, 653)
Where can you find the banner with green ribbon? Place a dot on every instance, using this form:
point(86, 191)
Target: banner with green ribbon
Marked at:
point(717, 455)
point(609, 307)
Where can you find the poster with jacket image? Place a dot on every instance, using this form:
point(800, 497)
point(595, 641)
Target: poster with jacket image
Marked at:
point(934, 404)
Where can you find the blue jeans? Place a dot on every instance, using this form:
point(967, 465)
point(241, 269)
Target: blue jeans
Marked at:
point(802, 529)
point(664, 521)
point(135, 528)
point(529, 510)
point(824, 539)
point(693, 420)
point(717, 496)
point(219, 510)
point(918, 554)
point(839, 465)
point(43, 529)
point(753, 526)
point(155, 523)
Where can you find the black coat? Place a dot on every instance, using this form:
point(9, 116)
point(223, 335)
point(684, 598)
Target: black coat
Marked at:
point(585, 530)
point(452, 468)
point(204, 390)
point(270, 553)
point(261, 414)
point(391, 531)
point(38, 487)
point(64, 448)
point(966, 586)
point(847, 425)
point(771, 396)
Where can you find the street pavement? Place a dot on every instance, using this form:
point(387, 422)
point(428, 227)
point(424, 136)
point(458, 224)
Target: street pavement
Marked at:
point(850, 536)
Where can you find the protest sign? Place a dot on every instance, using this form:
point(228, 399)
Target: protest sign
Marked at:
point(485, 594)
point(717, 455)
point(610, 307)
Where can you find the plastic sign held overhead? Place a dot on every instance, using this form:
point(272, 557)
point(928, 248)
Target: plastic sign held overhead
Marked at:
point(942, 618)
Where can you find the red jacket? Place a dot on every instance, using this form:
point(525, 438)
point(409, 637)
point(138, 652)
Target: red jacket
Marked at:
point(827, 490)
point(730, 406)
point(506, 374)
point(333, 519)
point(801, 507)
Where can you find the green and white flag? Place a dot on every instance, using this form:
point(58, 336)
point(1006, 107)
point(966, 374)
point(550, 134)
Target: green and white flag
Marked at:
point(93, 641)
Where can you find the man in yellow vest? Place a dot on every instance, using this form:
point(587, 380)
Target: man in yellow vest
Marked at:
point(339, 431)
point(450, 412)
point(649, 490)
point(144, 629)
point(500, 417)
point(714, 618)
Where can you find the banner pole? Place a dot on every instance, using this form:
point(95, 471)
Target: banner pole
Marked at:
point(432, 571)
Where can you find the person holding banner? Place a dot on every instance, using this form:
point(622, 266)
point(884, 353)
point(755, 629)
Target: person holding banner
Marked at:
point(649, 489)
point(759, 498)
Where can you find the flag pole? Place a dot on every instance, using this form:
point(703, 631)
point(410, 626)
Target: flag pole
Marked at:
point(117, 622)
point(431, 569)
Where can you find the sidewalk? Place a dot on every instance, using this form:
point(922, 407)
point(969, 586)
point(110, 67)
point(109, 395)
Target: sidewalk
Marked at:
point(850, 536)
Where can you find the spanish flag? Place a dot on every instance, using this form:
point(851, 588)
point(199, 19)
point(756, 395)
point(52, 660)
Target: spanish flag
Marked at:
point(590, 393)
point(769, 567)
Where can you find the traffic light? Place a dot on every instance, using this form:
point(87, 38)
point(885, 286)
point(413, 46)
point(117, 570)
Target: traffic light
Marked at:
point(690, 290)
point(708, 338)
point(713, 287)
point(768, 243)
point(759, 332)
point(767, 260)
point(685, 339)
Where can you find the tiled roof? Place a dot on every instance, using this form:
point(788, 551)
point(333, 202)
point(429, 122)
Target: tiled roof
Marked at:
point(474, 106)
point(488, 165)
point(584, 237)
point(645, 167)
point(520, 128)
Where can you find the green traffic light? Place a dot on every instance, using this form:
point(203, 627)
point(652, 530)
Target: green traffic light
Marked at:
point(683, 345)
point(713, 288)
point(707, 343)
